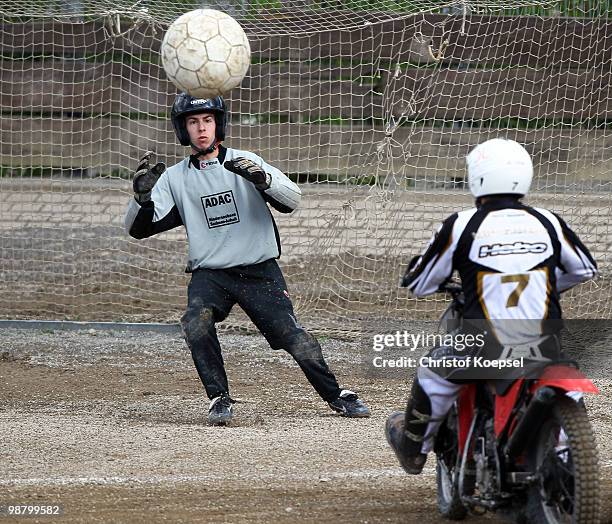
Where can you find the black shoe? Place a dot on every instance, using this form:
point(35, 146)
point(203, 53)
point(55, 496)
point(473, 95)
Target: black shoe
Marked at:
point(349, 405)
point(412, 462)
point(220, 410)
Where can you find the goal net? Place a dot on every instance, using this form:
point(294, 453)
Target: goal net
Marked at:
point(371, 111)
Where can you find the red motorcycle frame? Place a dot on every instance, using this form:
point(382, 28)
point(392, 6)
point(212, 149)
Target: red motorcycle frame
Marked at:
point(562, 378)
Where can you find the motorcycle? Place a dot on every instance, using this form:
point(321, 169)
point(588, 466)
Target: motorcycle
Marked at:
point(528, 453)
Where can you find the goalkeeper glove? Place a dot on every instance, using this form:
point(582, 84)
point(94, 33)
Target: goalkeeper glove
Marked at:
point(250, 170)
point(145, 178)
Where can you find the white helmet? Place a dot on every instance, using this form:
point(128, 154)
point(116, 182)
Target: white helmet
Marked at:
point(499, 166)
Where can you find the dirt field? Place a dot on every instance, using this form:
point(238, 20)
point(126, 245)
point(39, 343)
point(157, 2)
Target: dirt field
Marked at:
point(112, 426)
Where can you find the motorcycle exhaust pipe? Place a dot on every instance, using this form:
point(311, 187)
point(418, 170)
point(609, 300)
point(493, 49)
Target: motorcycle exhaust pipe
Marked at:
point(527, 427)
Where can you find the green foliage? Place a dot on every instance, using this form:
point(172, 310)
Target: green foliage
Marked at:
point(45, 172)
point(252, 10)
point(363, 180)
point(328, 178)
point(29, 172)
point(568, 8)
point(254, 7)
point(509, 123)
point(122, 174)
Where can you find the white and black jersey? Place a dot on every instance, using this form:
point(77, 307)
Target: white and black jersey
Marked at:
point(513, 261)
point(226, 217)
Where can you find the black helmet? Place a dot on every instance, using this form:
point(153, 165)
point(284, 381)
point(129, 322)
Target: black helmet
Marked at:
point(185, 104)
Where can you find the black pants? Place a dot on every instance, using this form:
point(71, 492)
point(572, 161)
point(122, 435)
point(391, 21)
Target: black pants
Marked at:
point(261, 292)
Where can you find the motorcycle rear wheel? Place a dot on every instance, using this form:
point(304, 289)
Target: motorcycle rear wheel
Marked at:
point(447, 475)
point(565, 458)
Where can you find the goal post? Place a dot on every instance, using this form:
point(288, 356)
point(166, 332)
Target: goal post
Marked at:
point(371, 112)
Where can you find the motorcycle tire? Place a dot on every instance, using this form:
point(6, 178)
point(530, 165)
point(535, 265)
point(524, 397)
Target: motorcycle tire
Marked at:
point(566, 462)
point(447, 476)
point(449, 501)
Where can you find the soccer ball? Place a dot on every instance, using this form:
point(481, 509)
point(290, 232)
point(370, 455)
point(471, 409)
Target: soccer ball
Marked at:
point(205, 53)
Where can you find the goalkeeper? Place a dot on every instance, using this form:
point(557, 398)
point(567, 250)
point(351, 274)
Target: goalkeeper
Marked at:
point(513, 260)
point(221, 196)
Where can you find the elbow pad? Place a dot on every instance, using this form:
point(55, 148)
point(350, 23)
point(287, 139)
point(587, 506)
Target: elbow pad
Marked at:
point(284, 191)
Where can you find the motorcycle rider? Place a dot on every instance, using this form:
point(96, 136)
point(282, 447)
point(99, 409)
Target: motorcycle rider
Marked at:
point(513, 261)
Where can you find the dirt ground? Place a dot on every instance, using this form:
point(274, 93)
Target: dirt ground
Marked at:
point(111, 425)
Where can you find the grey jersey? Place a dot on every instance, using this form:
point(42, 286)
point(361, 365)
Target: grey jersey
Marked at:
point(226, 217)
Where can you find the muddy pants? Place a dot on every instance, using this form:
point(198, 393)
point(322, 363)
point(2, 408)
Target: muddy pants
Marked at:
point(260, 290)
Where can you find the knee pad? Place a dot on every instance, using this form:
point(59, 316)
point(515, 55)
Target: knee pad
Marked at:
point(197, 322)
point(440, 392)
point(303, 346)
point(442, 352)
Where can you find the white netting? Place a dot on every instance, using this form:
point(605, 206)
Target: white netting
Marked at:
point(372, 112)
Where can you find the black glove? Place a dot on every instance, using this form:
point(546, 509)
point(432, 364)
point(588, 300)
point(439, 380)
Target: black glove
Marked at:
point(145, 177)
point(250, 170)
